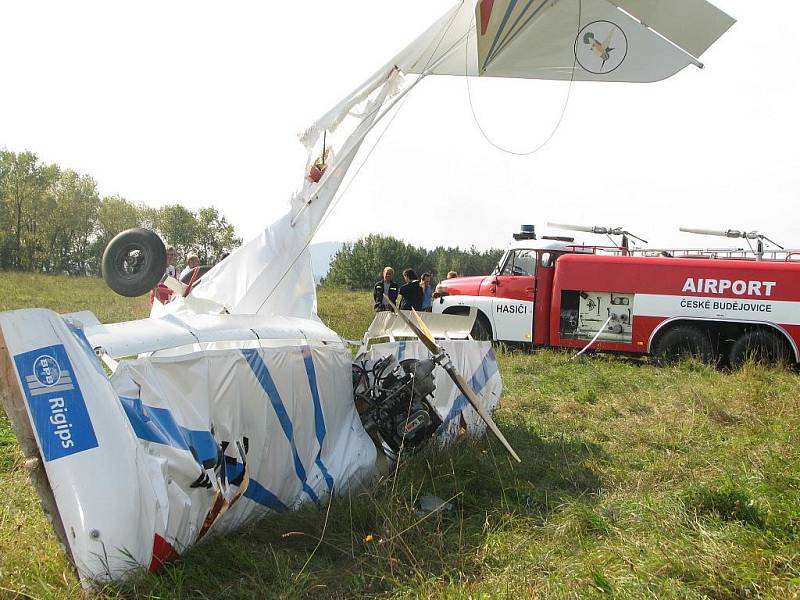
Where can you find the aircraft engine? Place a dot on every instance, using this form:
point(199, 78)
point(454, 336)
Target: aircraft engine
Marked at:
point(392, 400)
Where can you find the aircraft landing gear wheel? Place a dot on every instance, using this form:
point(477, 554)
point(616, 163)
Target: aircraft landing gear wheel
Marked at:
point(760, 346)
point(481, 330)
point(684, 341)
point(134, 262)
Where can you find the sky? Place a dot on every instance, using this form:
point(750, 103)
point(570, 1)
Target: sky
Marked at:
point(200, 103)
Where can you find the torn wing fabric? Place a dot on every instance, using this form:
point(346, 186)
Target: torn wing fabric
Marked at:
point(172, 450)
point(271, 274)
point(584, 40)
point(282, 417)
point(331, 120)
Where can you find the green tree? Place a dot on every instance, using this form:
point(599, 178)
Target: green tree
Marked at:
point(177, 226)
point(23, 184)
point(72, 224)
point(214, 235)
point(38, 215)
point(6, 220)
point(359, 264)
point(116, 214)
point(53, 220)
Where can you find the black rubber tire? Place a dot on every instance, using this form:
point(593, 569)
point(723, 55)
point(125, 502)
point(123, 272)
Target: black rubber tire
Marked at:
point(134, 274)
point(482, 329)
point(760, 345)
point(683, 341)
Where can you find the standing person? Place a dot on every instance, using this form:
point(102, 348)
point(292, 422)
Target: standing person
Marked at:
point(410, 291)
point(160, 291)
point(171, 270)
point(386, 289)
point(192, 262)
point(451, 274)
point(427, 292)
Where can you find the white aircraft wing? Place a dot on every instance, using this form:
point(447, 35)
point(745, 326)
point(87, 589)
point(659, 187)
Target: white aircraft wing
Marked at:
point(132, 338)
point(650, 40)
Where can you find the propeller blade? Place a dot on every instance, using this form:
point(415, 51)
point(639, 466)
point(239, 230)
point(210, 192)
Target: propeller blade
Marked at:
point(422, 325)
point(479, 408)
point(428, 340)
point(444, 361)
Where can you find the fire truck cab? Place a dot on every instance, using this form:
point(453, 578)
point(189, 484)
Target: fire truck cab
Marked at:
point(553, 292)
point(506, 299)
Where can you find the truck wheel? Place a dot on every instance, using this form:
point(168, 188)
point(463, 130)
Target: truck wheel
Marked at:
point(683, 341)
point(761, 346)
point(481, 330)
point(134, 262)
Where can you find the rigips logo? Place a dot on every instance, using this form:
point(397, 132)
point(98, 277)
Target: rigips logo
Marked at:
point(47, 371)
point(56, 403)
point(60, 422)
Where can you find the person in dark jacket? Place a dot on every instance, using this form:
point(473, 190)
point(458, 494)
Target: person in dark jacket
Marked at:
point(385, 288)
point(411, 291)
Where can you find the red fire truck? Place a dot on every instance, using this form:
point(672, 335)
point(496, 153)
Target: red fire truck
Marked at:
point(714, 304)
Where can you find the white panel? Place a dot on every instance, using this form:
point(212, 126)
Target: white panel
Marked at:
point(98, 487)
point(132, 338)
point(512, 319)
point(388, 324)
point(702, 307)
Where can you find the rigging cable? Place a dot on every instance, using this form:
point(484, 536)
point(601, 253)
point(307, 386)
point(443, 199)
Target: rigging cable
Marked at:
point(563, 109)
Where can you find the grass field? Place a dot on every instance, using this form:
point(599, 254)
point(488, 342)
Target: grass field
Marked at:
point(636, 482)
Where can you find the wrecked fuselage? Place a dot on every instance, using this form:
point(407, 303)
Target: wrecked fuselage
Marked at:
point(195, 440)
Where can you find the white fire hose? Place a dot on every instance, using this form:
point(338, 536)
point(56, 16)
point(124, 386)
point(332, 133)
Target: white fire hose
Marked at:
point(594, 339)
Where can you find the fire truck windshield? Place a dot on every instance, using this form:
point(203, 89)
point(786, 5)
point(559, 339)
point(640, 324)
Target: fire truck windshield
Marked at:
point(520, 262)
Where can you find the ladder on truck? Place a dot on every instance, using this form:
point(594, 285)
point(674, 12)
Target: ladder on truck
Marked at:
point(771, 255)
point(759, 246)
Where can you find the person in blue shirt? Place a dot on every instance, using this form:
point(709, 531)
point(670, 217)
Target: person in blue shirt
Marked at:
point(427, 292)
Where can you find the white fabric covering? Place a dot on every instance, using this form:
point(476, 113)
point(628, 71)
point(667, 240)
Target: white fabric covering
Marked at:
point(150, 452)
point(271, 274)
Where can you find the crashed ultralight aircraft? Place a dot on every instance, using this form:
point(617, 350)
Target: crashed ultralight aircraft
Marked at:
point(241, 402)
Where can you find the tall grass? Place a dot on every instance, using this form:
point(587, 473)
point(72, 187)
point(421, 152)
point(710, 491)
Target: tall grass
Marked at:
point(636, 482)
